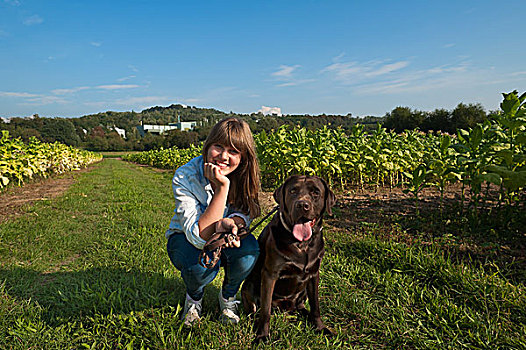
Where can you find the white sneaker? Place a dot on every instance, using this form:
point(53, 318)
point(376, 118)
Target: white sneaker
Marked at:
point(192, 311)
point(229, 309)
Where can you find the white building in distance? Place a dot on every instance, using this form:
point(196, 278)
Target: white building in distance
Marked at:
point(161, 129)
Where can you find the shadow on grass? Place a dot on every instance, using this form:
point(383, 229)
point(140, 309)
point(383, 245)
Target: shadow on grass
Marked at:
point(69, 295)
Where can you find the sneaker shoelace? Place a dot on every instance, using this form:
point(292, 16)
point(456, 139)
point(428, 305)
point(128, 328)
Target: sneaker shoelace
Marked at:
point(232, 305)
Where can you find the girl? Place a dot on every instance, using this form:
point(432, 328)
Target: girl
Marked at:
point(216, 192)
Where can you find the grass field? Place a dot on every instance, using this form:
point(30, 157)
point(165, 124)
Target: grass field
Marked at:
point(89, 270)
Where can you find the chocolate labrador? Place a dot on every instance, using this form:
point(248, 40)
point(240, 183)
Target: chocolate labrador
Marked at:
point(291, 248)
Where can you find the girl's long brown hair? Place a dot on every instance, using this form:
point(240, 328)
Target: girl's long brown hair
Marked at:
point(244, 181)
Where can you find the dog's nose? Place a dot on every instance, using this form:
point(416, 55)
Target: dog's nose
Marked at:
point(303, 205)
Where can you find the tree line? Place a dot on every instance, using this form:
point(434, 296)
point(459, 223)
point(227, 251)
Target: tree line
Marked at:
point(462, 117)
point(97, 131)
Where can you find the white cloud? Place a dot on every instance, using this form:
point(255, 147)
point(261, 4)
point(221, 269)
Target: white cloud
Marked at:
point(12, 2)
point(286, 75)
point(339, 57)
point(117, 86)
point(132, 103)
point(126, 78)
point(422, 80)
point(99, 104)
point(33, 20)
point(143, 100)
point(96, 44)
point(270, 110)
point(16, 94)
point(342, 70)
point(100, 87)
point(355, 72)
point(462, 67)
point(69, 91)
point(46, 100)
point(384, 87)
point(290, 83)
point(387, 77)
point(295, 82)
point(33, 99)
point(285, 71)
point(388, 68)
point(133, 68)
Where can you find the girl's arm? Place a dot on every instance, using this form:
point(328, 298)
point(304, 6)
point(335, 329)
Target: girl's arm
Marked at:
point(213, 213)
point(212, 220)
point(217, 206)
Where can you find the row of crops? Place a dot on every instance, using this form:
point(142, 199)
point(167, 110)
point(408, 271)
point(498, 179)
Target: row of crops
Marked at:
point(21, 161)
point(171, 158)
point(490, 153)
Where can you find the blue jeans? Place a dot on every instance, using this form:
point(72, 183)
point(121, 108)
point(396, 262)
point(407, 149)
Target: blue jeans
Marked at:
point(238, 262)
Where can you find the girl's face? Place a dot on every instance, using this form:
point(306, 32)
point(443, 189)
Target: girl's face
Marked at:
point(225, 157)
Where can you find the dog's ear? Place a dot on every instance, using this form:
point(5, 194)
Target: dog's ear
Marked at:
point(278, 194)
point(330, 198)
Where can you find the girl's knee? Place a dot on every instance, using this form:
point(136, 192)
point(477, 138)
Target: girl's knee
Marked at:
point(250, 242)
point(197, 277)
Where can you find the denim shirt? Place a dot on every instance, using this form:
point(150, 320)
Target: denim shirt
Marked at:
point(193, 193)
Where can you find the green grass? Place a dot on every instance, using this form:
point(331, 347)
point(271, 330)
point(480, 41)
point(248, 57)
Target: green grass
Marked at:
point(89, 270)
point(115, 154)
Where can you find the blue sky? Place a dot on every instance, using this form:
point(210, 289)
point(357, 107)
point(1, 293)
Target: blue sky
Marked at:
point(71, 58)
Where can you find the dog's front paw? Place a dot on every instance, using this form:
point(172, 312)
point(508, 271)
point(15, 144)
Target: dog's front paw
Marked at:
point(325, 331)
point(261, 339)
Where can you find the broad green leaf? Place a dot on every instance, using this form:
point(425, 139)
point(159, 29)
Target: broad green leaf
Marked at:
point(521, 139)
point(461, 133)
point(445, 142)
point(460, 148)
point(493, 178)
point(510, 104)
point(506, 155)
point(475, 136)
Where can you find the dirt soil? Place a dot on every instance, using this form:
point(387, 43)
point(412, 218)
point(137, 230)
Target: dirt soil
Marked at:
point(368, 202)
point(15, 200)
point(374, 204)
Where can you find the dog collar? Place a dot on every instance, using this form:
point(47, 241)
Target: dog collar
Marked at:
point(283, 222)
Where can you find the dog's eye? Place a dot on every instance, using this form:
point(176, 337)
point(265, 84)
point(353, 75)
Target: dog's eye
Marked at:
point(315, 193)
point(292, 191)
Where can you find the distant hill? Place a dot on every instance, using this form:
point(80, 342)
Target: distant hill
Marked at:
point(97, 131)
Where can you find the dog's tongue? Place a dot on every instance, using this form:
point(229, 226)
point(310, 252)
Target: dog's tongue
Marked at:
point(303, 232)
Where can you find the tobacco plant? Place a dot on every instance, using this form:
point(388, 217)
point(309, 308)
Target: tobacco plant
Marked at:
point(20, 161)
point(489, 153)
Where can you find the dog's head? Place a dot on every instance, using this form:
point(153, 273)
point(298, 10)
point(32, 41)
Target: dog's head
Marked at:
point(302, 201)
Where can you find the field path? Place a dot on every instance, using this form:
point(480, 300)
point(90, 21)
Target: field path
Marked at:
point(14, 200)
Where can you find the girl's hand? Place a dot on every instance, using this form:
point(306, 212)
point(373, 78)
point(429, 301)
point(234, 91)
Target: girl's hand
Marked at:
point(228, 225)
point(213, 173)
